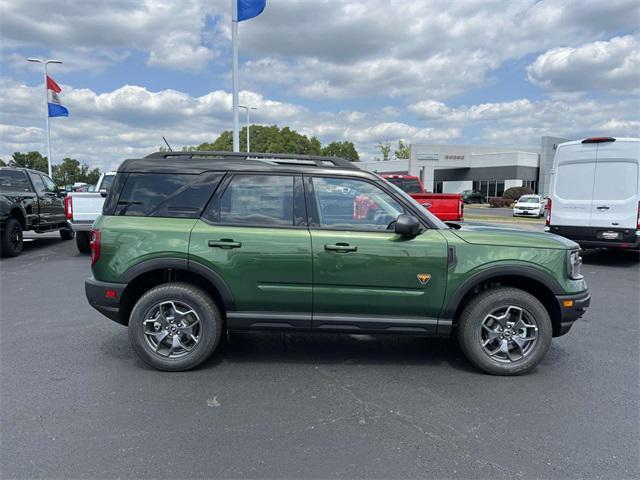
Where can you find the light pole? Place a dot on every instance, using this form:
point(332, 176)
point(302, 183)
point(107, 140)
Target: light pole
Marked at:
point(248, 116)
point(46, 106)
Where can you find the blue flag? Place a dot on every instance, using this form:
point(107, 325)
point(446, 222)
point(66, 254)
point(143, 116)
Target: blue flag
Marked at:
point(57, 110)
point(250, 8)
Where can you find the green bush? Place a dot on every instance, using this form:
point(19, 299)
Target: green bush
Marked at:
point(515, 193)
point(498, 202)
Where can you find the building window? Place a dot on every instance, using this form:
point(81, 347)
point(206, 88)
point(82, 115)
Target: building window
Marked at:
point(500, 189)
point(437, 187)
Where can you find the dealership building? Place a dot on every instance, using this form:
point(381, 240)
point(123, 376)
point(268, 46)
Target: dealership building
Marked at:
point(491, 170)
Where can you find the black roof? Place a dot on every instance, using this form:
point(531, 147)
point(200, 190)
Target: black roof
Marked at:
point(200, 161)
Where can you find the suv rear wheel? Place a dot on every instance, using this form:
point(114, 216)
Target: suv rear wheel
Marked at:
point(505, 331)
point(175, 327)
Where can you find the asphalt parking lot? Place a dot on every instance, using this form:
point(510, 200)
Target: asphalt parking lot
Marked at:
point(77, 403)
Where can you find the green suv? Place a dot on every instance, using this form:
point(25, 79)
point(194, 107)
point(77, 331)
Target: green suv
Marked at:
point(192, 245)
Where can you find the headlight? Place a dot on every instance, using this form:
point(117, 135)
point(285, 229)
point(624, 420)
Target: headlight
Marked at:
point(574, 265)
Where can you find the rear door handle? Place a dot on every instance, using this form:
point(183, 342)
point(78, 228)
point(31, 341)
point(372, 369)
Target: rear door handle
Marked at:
point(603, 207)
point(341, 247)
point(224, 243)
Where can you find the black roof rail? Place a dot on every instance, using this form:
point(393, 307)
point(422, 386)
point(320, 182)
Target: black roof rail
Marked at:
point(272, 158)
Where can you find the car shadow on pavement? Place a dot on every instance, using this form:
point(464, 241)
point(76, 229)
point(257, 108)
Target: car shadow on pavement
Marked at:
point(337, 349)
point(611, 257)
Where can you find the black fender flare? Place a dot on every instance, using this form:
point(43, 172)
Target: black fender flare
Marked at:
point(163, 263)
point(494, 272)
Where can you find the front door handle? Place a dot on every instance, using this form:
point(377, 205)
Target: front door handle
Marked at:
point(224, 243)
point(603, 207)
point(341, 247)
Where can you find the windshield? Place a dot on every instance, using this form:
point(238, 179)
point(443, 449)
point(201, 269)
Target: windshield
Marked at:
point(435, 220)
point(529, 200)
point(409, 185)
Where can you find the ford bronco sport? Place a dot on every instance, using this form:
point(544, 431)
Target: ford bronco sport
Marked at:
point(194, 244)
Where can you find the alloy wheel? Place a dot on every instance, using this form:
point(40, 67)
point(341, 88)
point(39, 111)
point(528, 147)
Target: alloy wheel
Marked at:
point(171, 329)
point(508, 334)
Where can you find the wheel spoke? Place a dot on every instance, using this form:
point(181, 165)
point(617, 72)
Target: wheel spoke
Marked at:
point(491, 333)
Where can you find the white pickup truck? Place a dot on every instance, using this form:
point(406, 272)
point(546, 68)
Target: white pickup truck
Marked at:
point(82, 208)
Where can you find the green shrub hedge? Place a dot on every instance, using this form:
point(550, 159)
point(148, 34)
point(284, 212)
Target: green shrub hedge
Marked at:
point(515, 193)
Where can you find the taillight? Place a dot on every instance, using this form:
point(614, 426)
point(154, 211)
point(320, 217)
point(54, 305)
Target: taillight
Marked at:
point(460, 209)
point(548, 221)
point(94, 246)
point(638, 222)
point(68, 207)
point(598, 140)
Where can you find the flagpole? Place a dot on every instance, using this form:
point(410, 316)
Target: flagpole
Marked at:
point(46, 106)
point(234, 74)
point(46, 116)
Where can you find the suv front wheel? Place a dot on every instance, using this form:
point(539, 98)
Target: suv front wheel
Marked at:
point(175, 327)
point(505, 331)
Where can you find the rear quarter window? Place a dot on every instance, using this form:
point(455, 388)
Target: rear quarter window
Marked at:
point(165, 194)
point(13, 181)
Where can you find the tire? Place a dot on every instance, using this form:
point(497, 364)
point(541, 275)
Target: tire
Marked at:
point(82, 242)
point(497, 301)
point(11, 241)
point(183, 297)
point(67, 234)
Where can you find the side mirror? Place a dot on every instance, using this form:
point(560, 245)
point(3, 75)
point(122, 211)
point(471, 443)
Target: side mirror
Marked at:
point(103, 192)
point(407, 225)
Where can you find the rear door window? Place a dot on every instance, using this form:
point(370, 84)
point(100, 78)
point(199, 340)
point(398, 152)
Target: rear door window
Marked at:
point(13, 181)
point(574, 181)
point(615, 180)
point(166, 194)
point(257, 200)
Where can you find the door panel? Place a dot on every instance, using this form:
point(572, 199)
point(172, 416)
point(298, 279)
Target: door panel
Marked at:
point(615, 191)
point(364, 275)
point(381, 276)
point(57, 214)
point(254, 236)
point(572, 187)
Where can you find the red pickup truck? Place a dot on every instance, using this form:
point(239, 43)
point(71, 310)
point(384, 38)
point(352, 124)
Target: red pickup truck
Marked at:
point(445, 206)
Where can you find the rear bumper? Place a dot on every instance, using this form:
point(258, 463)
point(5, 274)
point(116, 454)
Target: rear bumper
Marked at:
point(593, 236)
point(572, 307)
point(109, 306)
point(81, 226)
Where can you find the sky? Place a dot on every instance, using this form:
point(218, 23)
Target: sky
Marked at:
point(498, 73)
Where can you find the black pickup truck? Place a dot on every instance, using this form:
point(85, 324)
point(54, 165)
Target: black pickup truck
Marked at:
point(29, 200)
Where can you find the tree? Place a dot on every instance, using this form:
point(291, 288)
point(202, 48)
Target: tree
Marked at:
point(71, 171)
point(403, 152)
point(33, 160)
point(344, 150)
point(2, 164)
point(268, 139)
point(385, 151)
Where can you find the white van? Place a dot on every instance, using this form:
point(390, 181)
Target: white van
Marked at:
point(595, 197)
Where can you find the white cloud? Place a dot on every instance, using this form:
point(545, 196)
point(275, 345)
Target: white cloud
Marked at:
point(610, 66)
point(432, 109)
point(171, 32)
point(104, 128)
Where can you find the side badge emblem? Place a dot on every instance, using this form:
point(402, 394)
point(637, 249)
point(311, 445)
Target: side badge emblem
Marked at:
point(424, 278)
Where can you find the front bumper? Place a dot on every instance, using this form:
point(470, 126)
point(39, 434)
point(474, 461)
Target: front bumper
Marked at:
point(572, 307)
point(105, 297)
point(527, 213)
